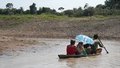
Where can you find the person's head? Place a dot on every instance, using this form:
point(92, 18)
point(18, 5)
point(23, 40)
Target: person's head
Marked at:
point(95, 36)
point(80, 44)
point(72, 42)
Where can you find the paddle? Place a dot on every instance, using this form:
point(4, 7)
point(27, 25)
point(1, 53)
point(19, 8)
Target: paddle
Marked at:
point(103, 45)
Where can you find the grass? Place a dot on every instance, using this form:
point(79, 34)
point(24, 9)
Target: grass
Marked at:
point(42, 17)
point(22, 18)
point(10, 21)
point(51, 17)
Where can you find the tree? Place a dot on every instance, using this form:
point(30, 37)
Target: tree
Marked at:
point(78, 12)
point(89, 11)
point(86, 6)
point(100, 9)
point(53, 11)
point(46, 10)
point(113, 4)
point(61, 8)
point(100, 6)
point(9, 5)
point(20, 10)
point(1, 11)
point(33, 9)
point(27, 12)
point(39, 11)
point(69, 13)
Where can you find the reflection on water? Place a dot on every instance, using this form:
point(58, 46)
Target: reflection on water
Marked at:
point(46, 57)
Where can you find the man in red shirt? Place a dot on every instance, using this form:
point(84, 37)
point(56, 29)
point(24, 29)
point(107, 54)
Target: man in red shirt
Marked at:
point(71, 49)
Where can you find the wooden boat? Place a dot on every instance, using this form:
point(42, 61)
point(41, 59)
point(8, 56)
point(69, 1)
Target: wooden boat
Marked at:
point(62, 56)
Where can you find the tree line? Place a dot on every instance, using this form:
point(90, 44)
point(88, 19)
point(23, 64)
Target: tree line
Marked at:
point(111, 7)
point(10, 10)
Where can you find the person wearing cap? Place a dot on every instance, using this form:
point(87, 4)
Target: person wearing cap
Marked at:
point(71, 48)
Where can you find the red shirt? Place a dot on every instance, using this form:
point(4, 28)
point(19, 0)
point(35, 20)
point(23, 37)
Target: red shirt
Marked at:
point(71, 50)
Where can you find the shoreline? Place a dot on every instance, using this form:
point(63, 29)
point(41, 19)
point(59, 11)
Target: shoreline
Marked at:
point(58, 37)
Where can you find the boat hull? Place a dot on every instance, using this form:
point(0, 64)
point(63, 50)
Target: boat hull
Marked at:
point(61, 56)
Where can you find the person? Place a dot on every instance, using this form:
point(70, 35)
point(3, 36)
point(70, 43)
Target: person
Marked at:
point(71, 49)
point(80, 49)
point(88, 48)
point(95, 49)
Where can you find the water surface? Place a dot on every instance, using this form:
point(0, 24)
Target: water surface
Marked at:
point(44, 55)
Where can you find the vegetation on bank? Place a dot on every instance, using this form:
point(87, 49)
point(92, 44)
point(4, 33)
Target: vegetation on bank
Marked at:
point(47, 17)
point(10, 21)
point(59, 26)
point(111, 7)
point(22, 18)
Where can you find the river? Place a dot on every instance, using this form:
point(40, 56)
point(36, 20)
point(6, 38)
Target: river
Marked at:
point(45, 55)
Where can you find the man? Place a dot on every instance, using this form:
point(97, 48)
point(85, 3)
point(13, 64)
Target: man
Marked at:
point(71, 49)
point(95, 49)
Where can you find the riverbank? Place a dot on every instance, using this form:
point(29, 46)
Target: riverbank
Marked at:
point(51, 26)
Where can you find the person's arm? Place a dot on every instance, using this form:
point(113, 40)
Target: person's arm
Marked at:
point(100, 45)
point(84, 51)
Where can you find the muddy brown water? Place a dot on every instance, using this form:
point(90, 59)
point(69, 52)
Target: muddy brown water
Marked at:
point(44, 55)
